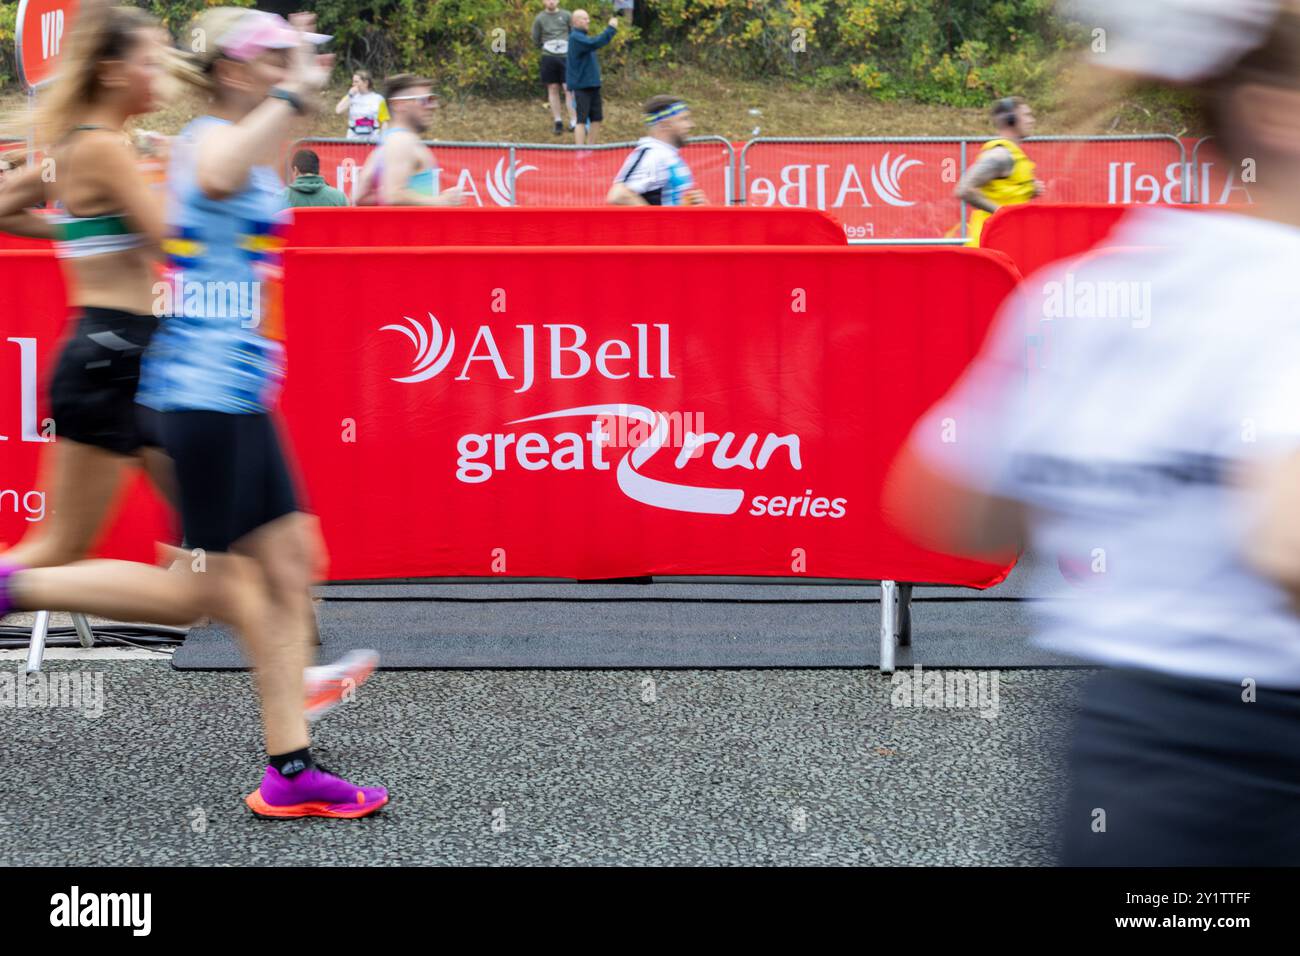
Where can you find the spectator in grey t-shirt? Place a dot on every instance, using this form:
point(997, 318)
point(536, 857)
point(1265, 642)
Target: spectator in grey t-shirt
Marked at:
point(551, 36)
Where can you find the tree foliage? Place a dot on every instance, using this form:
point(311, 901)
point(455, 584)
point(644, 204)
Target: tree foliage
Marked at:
point(959, 52)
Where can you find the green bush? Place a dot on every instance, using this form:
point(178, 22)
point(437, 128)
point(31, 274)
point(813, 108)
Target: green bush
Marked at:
point(959, 52)
point(8, 55)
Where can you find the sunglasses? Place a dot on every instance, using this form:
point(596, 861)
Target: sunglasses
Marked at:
point(427, 99)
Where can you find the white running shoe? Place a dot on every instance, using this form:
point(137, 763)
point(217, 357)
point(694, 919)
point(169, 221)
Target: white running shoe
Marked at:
point(329, 685)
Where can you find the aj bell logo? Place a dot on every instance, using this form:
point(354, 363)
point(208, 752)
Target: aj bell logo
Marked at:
point(644, 354)
point(794, 188)
point(497, 180)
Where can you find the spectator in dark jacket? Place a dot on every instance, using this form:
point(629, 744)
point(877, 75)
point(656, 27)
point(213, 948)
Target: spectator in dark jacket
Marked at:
point(308, 187)
point(582, 75)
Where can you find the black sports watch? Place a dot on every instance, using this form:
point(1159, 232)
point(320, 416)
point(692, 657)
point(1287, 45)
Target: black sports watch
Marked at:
point(293, 99)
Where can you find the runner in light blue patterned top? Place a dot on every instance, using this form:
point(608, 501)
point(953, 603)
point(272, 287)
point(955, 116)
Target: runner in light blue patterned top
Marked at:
point(220, 348)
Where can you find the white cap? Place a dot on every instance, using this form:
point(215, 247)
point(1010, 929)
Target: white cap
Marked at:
point(1180, 41)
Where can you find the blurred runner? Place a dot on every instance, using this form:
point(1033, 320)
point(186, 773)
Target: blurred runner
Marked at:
point(655, 173)
point(108, 233)
point(1161, 445)
point(402, 171)
point(1002, 174)
point(212, 376)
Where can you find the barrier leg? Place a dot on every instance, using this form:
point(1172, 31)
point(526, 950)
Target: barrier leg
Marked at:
point(904, 615)
point(84, 634)
point(888, 625)
point(36, 650)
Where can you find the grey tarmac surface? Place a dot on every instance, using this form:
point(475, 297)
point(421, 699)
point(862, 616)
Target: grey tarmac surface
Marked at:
point(547, 767)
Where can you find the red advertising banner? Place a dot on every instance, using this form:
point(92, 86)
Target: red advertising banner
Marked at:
point(682, 411)
point(33, 316)
point(549, 226)
point(1034, 234)
point(1218, 182)
point(544, 176)
point(570, 177)
point(41, 30)
point(689, 410)
point(905, 190)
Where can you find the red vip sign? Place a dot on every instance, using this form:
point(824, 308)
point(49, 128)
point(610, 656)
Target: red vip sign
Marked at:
point(43, 27)
point(905, 190)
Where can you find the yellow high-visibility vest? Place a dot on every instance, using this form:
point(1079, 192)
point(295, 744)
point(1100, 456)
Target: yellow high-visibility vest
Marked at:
point(1016, 188)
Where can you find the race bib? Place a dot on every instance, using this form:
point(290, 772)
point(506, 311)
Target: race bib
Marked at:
point(556, 47)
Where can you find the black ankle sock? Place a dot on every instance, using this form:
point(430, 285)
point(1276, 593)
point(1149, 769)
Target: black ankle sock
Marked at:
point(290, 765)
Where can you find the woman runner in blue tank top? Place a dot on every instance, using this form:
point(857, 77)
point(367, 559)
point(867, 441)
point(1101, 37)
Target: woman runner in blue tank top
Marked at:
point(212, 376)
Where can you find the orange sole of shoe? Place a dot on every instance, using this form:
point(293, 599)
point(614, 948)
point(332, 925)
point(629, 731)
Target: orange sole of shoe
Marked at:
point(324, 702)
point(263, 809)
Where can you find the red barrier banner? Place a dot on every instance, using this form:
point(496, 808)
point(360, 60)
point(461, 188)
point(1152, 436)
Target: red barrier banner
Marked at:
point(1035, 234)
point(33, 316)
point(570, 177)
point(593, 226)
point(1218, 182)
point(543, 176)
point(10, 243)
point(718, 410)
point(721, 410)
point(905, 190)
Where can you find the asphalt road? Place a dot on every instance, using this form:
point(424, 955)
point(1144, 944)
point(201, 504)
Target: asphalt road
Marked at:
point(546, 767)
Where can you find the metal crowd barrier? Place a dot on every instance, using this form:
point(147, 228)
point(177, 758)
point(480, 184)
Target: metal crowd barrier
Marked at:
point(960, 146)
point(505, 184)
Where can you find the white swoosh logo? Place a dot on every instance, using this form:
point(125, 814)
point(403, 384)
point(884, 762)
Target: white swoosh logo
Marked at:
point(430, 357)
point(652, 491)
point(885, 180)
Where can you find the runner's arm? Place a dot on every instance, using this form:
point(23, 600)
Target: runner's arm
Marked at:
point(948, 517)
point(19, 193)
point(992, 164)
point(621, 195)
point(227, 154)
point(1273, 546)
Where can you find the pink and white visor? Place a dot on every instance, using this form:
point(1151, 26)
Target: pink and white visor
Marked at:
point(258, 31)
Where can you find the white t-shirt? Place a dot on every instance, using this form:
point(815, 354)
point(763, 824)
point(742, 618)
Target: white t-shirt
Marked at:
point(366, 111)
point(1122, 424)
point(656, 171)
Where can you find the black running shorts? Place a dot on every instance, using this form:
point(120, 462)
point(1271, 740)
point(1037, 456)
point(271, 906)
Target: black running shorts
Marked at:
point(92, 393)
point(232, 474)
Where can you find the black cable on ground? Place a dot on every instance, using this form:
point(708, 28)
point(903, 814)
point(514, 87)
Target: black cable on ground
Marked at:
point(143, 636)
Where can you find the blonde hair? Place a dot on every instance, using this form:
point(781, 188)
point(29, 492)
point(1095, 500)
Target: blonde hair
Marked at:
point(101, 32)
point(192, 63)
